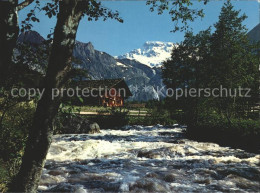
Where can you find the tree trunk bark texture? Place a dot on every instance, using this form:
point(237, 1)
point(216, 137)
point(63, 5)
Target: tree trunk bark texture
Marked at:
point(8, 36)
point(41, 132)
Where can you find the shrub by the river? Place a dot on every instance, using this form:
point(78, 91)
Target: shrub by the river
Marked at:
point(13, 134)
point(238, 133)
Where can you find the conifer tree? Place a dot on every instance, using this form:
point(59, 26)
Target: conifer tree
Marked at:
point(224, 59)
point(232, 63)
point(188, 69)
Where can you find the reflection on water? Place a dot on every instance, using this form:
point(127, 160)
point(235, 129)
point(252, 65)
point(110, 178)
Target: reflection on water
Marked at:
point(146, 159)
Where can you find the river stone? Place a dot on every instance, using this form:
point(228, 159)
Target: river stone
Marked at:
point(169, 178)
point(245, 172)
point(94, 128)
point(79, 125)
point(56, 172)
point(63, 187)
point(152, 175)
point(148, 185)
point(148, 154)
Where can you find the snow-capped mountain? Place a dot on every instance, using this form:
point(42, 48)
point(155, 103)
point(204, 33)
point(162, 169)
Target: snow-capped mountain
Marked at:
point(152, 54)
point(144, 82)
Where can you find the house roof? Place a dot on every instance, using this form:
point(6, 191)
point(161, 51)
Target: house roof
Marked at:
point(106, 84)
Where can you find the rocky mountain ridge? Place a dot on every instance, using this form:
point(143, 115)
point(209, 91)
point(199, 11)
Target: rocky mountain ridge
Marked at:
point(142, 80)
point(254, 34)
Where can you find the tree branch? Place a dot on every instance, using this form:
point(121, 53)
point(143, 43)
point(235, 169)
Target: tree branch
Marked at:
point(24, 4)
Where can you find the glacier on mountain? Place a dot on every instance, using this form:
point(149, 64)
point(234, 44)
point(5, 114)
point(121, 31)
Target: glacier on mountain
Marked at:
point(152, 54)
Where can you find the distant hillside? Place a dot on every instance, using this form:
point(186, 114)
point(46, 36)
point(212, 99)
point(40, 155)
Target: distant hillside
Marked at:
point(141, 79)
point(254, 34)
point(101, 65)
point(32, 37)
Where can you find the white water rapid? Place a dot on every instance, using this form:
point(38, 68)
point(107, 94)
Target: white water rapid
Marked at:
point(146, 159)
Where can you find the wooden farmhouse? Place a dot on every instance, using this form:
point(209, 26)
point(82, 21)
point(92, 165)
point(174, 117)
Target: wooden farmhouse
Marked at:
point(107, 92)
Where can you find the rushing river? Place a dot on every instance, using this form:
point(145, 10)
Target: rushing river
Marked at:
point(146, 159)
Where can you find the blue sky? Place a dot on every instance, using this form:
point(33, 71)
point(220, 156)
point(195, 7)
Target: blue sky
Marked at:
point(140, 25)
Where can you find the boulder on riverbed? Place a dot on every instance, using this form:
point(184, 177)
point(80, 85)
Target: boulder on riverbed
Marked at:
point(79, 125)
